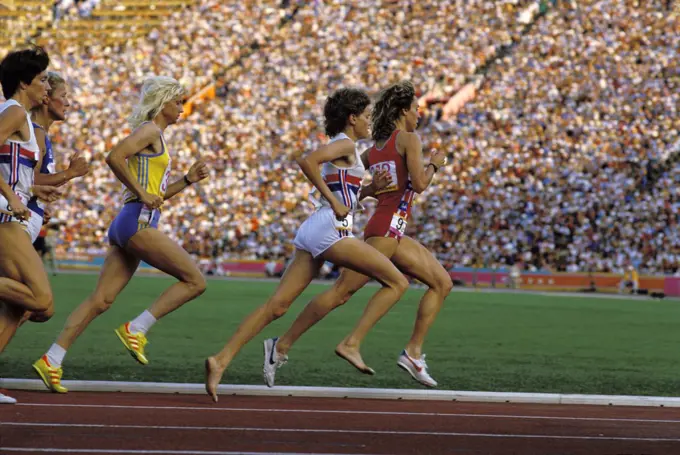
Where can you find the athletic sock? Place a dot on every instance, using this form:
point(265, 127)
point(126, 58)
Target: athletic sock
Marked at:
point(55, 355)
point(142, 323)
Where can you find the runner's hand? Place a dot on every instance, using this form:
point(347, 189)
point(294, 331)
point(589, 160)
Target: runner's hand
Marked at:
point(341, 210)
point(47, 193)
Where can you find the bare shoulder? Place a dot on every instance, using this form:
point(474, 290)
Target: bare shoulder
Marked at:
point(339, 149)
point(146, 135)
point(147, 131)
point(407, 141)
point(14, 116)
point(343, 144)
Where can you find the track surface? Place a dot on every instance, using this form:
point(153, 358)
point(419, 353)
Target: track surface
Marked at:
point(191, 424)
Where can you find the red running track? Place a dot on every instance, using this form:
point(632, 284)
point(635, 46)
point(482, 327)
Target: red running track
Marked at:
point(99, 423)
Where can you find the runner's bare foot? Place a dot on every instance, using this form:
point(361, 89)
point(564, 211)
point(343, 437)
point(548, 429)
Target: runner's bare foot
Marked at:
point(213, 376)
point(353, 356)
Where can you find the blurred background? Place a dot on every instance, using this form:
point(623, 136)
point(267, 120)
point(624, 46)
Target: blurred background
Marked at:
point(557, 116)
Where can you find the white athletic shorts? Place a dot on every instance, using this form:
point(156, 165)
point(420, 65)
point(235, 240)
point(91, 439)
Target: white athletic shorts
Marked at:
point(35, 224)
point(321, 231)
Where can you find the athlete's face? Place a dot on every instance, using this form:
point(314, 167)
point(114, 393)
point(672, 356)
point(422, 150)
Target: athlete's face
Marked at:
point(58, 103)
point(362, 125)
point(412, 116)
point(173, 109)
point(37, 89)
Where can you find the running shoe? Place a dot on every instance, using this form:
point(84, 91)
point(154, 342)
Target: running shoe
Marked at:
point(416, 368)
point(50, 375)
point(4, 399)
point(133, 342)
point(272, 361)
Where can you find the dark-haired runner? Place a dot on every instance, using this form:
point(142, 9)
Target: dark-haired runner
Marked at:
point(325, 236)
point(24, 285)
point(398, 152)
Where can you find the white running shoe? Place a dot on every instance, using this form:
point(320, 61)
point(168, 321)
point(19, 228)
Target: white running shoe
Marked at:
point(4, 399)
point(272, 361)
point(416, 368)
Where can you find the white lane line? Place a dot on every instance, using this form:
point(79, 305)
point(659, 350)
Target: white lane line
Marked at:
point(354, 412)
point(168, 452)
point(335, 431)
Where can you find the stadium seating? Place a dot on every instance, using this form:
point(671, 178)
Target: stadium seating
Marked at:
point(570, 107)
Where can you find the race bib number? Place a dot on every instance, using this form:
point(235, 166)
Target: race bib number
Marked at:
point(398, 225)
point(391, 168)
point(164, 182)
point(344, 225)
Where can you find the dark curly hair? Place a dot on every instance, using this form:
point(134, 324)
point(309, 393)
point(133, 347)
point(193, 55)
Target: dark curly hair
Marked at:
point(340, 105)
point(388, 108)
point(21, 66)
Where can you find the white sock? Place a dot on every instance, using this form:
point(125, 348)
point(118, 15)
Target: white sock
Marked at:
point(55, 355)
point(142, 323)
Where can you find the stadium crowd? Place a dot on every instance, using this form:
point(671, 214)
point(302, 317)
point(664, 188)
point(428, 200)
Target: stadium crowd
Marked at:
point(549, 160)
point(552, 156)
point(65, 8)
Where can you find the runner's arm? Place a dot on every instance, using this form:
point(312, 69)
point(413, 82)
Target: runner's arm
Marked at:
point(140, 139)
point(310, 164)
point(421, 175)
point(58, 179)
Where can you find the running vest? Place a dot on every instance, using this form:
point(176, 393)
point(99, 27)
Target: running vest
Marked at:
point(18, 160)
point(345, 183)
point(47, 167)
point(397, 198)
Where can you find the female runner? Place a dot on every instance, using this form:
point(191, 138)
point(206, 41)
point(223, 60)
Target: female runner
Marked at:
point(24, 285)
point(325, 236)
point(141, 162)
point(398, 152)
point(53, 108)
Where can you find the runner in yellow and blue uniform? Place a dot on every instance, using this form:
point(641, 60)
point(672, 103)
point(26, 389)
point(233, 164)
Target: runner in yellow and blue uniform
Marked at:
point(141, 162)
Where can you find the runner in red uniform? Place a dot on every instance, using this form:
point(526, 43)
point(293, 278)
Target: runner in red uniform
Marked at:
point(398, 151)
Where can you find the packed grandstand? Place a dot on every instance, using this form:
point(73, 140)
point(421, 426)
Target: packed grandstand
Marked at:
point(569, 106)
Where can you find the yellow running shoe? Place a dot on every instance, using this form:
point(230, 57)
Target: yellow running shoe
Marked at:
point(50, 376)
point(134, 342)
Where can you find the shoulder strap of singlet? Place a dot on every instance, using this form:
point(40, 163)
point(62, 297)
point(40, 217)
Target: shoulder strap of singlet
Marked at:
point(12, 102)
point(339, 137)
point(153, 155)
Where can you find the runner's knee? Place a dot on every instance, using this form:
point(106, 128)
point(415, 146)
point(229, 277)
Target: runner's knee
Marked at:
point(399, 283)
point(196, 282)
point(101, 301)
point(342, 292)
point(444, 284)
point(277, 307)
